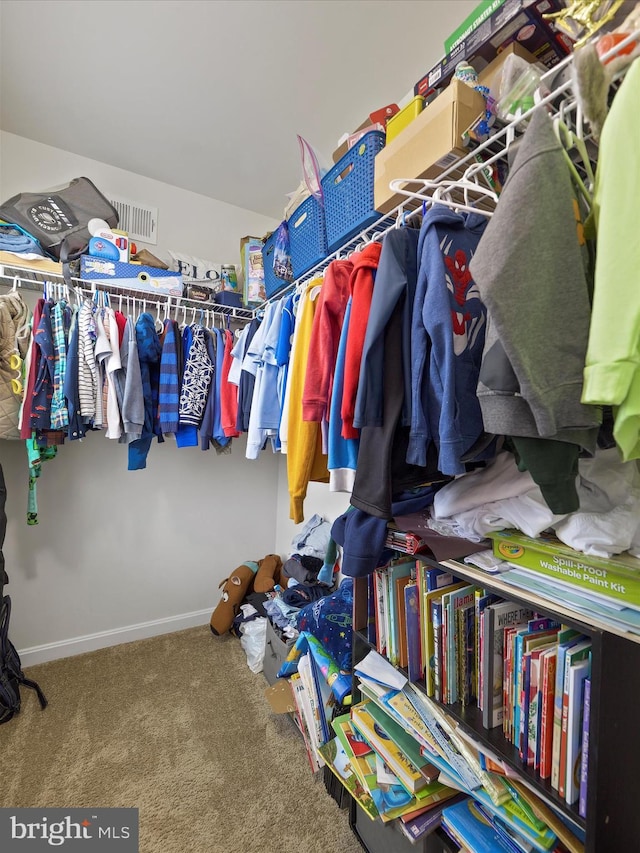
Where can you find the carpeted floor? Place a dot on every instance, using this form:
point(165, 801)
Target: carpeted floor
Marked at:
point(179, 727)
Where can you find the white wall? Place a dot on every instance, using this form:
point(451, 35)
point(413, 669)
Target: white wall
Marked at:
point(187, 222)
point(116, 549)
point(319, 500)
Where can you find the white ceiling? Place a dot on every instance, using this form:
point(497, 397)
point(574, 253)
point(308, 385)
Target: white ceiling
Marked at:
point(208, 95)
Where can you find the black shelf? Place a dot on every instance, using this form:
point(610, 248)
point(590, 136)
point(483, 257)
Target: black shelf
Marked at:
point(470, 717)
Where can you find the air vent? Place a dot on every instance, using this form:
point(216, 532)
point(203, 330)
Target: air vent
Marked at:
point(138, 220)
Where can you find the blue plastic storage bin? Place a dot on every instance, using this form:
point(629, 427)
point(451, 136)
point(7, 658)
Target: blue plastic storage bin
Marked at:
point(348, 191)
point(307, 236)
point(272, 284)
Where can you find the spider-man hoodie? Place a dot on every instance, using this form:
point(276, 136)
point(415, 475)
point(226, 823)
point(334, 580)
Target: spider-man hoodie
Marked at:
point(447, 340)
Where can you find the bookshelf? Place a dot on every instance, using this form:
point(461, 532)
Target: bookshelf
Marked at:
point(613, 818)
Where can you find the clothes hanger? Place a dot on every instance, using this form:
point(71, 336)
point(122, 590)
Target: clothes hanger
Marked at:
point(159, 325)
point(569, 141)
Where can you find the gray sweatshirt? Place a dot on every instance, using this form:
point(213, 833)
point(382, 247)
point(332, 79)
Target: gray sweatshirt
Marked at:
point(531, 270)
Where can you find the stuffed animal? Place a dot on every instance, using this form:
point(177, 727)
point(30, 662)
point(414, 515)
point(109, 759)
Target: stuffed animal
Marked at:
point(269, 574)
point(236, 587)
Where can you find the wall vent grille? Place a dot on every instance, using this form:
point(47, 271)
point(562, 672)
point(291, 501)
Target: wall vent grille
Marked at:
point(138, 220)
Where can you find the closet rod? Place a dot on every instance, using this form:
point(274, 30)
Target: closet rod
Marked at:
point(7, 279)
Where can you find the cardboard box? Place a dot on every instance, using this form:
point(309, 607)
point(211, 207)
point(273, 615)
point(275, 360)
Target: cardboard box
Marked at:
point(516, 20)
point(479, 15)
point(492, 74)
point(429, 144)
point(131, 276)
point(617, 578)
point(46, 265)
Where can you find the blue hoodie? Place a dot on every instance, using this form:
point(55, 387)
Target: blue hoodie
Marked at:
point(447, 340)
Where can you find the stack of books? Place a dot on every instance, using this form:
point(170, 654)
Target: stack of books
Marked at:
point(467, 647)
point(404, 758)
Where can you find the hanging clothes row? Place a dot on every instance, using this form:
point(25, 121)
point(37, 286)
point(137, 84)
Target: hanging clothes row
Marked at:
point(421, 357)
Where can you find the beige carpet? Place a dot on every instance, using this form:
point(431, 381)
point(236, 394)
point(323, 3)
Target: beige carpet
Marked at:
point(179, 727)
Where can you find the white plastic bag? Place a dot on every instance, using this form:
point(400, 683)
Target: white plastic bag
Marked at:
point(253, 640)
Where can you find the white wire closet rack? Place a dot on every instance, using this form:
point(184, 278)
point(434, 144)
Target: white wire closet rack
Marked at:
point(417, 194)
point(124, 298)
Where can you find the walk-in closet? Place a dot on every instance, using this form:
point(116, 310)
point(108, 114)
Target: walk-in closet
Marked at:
point(319, 492)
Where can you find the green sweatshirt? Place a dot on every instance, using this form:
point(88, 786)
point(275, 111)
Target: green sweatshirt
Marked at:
point(612, 373)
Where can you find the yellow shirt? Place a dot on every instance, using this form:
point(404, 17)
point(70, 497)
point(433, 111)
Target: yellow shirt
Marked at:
point(305, 459)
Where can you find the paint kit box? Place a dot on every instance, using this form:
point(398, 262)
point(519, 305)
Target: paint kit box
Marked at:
point(131, 276)
point(617, 578)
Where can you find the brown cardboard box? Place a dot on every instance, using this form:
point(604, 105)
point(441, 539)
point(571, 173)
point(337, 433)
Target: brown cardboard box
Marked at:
point(429, 144)
point(490, 76)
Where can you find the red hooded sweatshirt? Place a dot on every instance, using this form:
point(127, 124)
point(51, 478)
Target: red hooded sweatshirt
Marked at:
point(365, 264)
point(325, 337)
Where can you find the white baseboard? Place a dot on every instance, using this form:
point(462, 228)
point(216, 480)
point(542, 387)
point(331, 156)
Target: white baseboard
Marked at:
point(101, 640)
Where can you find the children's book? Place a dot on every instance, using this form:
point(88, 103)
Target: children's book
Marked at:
point(341, 765)
point(482, 601)
point(435, 660)
point(381, 618)
point(371, 610)
point(580, 652)
point(578, 672)
point(497, 617)
point(566, 639)
point(524, 640)
point(427, 639)
point(530, 644)
point(548, 658)
point(584, 764)
point(428, 820)
point(398, 748)
point(298, 690)
point(452, 601)
point(401, 569)
point(401, 618)
point(412, 610)
point(471, 829)
point(354, 745)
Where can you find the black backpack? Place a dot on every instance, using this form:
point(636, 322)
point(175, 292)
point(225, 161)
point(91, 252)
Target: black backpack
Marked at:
point(11, 674)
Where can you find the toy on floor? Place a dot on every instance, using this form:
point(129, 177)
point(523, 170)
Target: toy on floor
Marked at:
point(270, 574)
point(235, 588)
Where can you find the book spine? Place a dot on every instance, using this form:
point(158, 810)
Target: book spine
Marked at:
point(445, 669)
point(574, 731)
point(562, 766)
point(481, 663)
point(492, 650)
point(533, 731)
point(371, 610)
point(475, 687)
point(470, 637)
point(546, 722)
point(424, 625)
point(525, 681)
point(517, 687)
point(507, 676)
point(381, 634)
point(460, 656)
point(414, 664)
point(584, 764)
point(436, 621)
point(557, 718)
point(392, 636)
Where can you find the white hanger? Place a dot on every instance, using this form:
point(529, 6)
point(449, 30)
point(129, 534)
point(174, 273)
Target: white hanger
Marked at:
point(569, 140)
